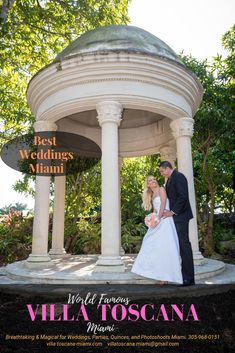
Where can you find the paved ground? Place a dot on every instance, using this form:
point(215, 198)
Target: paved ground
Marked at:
point(217, 284)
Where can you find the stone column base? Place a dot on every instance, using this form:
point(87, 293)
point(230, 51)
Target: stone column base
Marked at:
point(198, 259)
point(109, 264)
point(57, 253)
point(38, 261)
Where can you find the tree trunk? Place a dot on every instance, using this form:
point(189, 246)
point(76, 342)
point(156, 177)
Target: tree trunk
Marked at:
point(209, 241)
point(209, 246)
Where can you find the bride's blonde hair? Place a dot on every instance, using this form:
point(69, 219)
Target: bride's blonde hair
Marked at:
point(147, 195)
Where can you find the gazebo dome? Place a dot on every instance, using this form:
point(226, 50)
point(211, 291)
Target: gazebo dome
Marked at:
point(118, 38)
point(123, 64)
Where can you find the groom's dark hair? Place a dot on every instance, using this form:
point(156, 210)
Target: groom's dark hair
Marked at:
point(165, 164)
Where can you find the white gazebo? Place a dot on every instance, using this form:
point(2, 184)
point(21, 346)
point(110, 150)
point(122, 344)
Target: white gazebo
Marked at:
point(127, 91)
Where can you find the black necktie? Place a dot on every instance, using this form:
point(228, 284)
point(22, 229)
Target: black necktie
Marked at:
point(168, 181)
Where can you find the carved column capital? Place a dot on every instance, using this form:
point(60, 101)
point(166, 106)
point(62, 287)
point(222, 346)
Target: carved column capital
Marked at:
point(109, 111)
point(182, 127)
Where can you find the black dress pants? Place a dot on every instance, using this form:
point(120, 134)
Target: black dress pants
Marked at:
point(185, 251)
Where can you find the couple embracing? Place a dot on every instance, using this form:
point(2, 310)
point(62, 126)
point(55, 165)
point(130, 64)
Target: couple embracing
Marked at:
point(166, 253)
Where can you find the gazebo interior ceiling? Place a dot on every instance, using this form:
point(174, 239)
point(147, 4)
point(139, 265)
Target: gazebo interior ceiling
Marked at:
point(131, 118)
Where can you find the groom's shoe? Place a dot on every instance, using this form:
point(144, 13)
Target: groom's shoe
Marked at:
point(187, 283)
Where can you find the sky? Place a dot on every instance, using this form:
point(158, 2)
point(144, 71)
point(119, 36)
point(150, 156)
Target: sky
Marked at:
point(194, 26)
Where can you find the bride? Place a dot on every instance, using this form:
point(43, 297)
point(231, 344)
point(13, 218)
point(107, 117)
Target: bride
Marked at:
point(159, 256)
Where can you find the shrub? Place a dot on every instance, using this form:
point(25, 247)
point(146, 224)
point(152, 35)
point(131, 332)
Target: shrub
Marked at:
point(132, 235)
point(221, 233)
point(89, 240)
point(15, 237)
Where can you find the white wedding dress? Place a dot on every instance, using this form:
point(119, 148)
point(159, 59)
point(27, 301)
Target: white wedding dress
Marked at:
point(159, 256)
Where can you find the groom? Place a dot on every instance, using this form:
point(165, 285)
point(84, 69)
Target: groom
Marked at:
point(180, 210)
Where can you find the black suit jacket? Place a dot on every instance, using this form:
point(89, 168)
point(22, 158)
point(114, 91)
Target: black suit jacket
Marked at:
point(177, 193)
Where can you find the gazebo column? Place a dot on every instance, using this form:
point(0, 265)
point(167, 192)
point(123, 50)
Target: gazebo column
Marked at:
point(57, 249)
point(39, 256)
point(120, 160)
point(109, 117)
point(182, 130)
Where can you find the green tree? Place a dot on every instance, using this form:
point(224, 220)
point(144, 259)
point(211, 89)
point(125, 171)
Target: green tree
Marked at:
point(82, 210)
point(213, 140)
point(32, 33)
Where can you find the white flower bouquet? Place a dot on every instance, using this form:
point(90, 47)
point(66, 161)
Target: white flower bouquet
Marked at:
point(151, 220)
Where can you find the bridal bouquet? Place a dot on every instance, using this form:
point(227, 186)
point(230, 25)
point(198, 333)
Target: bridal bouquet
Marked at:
point(151, 220)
